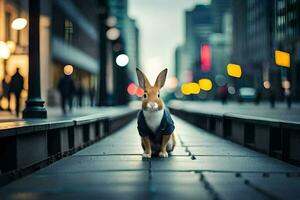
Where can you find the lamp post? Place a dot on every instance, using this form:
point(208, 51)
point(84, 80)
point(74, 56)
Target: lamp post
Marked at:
point(102, 95)
point(34, 104)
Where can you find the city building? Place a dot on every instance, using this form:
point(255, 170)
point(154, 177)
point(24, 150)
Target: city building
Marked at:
point(127, 43)
point(240, 44)
point(198, 30)
point(218, 9)
point(71, 41)
point(260, 38)
point(287, 38)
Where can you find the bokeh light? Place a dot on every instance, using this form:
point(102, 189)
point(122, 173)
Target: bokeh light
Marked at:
point(190, 88)
point(220, 79)
point(111, 21)
point(132, 88)
point(234, 70)
point(122, 60)
point(19, 24)
point(139, 92)
point(231, 90)
point(4, 50)
point(282, 58)
point(113, 34)
point(205, 84)
point(68, 70)
point(11, 45)
point(171, 83)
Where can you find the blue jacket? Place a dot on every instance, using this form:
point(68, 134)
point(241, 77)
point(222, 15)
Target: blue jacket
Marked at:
point(166, 126)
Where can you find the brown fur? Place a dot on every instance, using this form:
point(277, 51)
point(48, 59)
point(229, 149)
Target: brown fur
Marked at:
point(152, 95)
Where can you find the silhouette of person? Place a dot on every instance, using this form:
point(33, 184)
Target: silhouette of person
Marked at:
point(272, 98)
point(16, 87)
point(66, 87)
point(5, 90)
point(288, 98)
point(223, 92)
point(257, 97)
point(92, 95)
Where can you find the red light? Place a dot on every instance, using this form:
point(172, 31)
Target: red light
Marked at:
point(131, 89)
point(139, 92)
point(205, 55)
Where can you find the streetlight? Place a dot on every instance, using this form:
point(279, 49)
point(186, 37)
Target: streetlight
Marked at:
point(19, 24)
point(122, 60)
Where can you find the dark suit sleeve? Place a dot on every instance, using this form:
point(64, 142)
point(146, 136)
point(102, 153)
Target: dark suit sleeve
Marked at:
point(141, 126)
point(170, 127)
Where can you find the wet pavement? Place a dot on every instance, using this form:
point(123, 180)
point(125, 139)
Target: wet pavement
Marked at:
point(203, 166)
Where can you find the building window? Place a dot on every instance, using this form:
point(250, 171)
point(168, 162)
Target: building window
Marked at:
point(68, 30)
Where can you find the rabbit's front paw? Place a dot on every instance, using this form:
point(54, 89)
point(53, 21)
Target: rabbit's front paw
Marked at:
point(145, 155)
point(163, 154)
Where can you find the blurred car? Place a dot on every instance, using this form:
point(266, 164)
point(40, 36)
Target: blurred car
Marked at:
point(247, 94)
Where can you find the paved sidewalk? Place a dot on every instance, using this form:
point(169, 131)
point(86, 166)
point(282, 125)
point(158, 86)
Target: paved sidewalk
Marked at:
point(203, 166)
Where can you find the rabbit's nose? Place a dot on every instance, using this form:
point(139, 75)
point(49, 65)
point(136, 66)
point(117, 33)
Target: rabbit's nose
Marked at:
point(152, 105)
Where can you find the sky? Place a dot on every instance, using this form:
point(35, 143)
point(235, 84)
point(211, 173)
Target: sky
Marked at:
point(161, 25)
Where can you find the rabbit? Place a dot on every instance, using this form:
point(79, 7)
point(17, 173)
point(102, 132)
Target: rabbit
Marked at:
point(155, 125)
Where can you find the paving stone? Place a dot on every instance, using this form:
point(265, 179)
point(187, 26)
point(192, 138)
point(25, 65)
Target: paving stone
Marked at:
point(230, 164)
point(83, 164)
point(175, 185)
point(228, 186)
point(223, 150)
point(280, 186)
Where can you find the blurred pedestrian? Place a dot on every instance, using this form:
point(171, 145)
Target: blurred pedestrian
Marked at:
point(92, 95)
point(66, 87)
point(80, 93)
point(257, 97)
point(5, 90)
point(288, 98)
point(223, 90)
point(272, 98)
point(16, 87)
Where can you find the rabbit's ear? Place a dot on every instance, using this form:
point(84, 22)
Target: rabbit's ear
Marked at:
point(161, 79)
point(143, 81)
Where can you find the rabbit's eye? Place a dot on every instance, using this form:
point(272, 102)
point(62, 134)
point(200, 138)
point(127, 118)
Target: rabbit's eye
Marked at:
point(145, 96)
point(158, 95)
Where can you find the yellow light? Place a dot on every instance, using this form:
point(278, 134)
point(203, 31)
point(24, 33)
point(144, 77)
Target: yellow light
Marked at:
point(190, 88)
point(205, 84)
point(19, 23)
point(282, 58)
point(185, 89)
point(267, 84)
point(11, 45)
point(4, 50)
point(68, 69)
point(234, 70)
point(194, 88)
